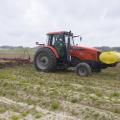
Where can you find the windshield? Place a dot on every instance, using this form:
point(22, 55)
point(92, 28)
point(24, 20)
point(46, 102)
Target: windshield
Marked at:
point(71, 39)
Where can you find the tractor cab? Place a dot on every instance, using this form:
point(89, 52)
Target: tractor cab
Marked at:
point(59, 36)
point(61, 41)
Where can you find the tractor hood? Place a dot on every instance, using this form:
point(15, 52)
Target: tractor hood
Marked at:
point(85, 48)
point(85, 53)
point(108, 57)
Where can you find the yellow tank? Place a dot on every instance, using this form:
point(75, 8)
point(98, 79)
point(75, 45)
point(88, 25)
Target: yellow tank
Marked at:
point(110, 57)
point(118, 54)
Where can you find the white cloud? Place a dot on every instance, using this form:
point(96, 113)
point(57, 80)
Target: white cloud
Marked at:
point(23, 22)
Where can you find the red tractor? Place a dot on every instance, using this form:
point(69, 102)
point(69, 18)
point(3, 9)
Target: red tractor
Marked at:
point(61, 53)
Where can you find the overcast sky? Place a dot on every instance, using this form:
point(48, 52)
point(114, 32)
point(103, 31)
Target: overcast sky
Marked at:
point(23, 22)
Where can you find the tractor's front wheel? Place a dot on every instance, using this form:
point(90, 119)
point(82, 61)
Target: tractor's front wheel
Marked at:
point(45, 60)
point(83, 69)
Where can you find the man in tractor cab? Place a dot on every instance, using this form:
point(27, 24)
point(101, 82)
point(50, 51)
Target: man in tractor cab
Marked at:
point(60, 46)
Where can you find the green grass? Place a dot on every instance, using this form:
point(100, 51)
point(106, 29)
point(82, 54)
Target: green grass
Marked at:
point(62, 92)
point(14, 117)
point(115, 94)
point(2, 110)
point(55, 105)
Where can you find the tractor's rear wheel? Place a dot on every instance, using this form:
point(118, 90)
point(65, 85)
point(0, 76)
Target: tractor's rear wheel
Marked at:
point(45, 60)
point(83, 69)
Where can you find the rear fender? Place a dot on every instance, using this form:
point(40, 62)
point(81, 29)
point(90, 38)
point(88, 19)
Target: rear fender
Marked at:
point(54, 51)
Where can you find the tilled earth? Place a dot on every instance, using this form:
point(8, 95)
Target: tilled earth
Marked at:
point(26, 94)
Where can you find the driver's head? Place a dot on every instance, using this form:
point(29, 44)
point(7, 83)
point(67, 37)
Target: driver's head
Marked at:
point(60, 39)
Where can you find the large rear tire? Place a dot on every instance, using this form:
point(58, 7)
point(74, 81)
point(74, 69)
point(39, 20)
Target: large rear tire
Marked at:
point(83, 69)
point(45, 60)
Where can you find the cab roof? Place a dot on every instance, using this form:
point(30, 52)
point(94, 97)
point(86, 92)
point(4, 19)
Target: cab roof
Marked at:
point(60, 32)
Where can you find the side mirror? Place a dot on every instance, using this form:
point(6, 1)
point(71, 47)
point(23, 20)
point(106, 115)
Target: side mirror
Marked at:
point(37, 43)
point(80, 38)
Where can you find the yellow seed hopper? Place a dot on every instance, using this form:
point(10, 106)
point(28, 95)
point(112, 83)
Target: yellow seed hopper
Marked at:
point(110, 57)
